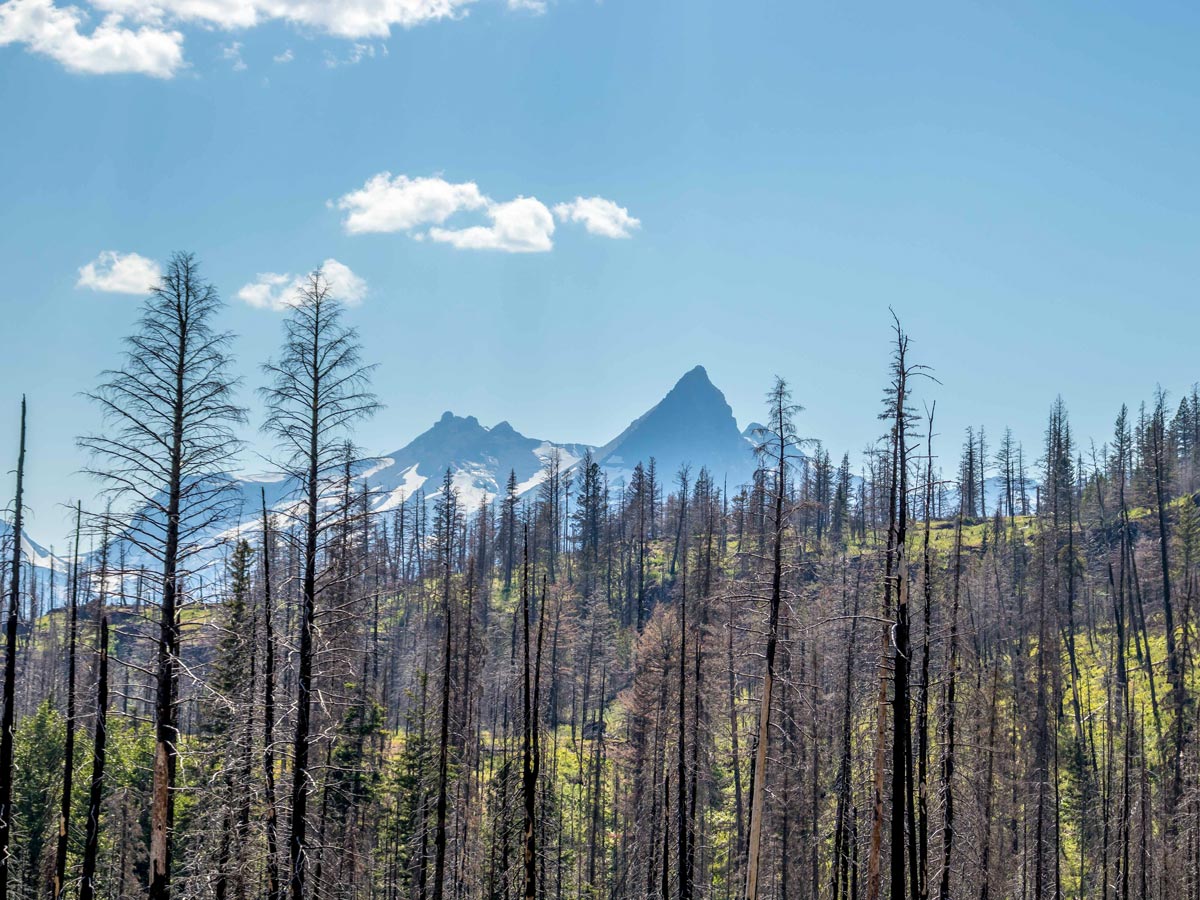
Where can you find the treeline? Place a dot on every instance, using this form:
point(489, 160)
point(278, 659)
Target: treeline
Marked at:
point(833, 683)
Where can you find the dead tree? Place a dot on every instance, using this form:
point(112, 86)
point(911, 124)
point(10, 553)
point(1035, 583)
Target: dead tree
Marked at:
point(272, 827)
point(64, 818)
point(7, 719)
point(775, 446)
point(91, 844)
point(318, 389)
point(169, 414)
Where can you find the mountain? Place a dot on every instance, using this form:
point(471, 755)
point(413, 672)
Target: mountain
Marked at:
point(694, 425)
point(33, 552)
point(479, 459)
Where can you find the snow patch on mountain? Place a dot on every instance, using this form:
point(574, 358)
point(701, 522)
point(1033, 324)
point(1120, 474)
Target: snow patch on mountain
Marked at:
point(33, 552)
point(411, 482)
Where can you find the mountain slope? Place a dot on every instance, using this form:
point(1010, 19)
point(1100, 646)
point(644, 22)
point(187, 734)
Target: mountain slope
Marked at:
point(479, 459)
point(33, 552)
point(694, 425)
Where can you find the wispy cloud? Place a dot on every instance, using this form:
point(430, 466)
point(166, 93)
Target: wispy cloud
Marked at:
point(358, 52)
point(423, 207)
point(275, 291)
point(598, 216)
point(233, 54)
point(120, 273)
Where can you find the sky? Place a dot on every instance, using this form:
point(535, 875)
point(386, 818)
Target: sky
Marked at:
point(547, 212)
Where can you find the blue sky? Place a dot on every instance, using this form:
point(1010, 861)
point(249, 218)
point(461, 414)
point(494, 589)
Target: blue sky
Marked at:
point(1018, 181)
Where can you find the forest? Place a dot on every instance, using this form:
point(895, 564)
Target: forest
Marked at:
point(839, 681)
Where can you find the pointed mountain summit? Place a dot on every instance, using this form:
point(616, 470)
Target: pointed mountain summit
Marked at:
point(692, 424)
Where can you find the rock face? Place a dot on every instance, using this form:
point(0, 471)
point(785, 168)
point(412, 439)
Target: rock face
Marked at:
point(479, 459)
point(33, 552)
point(694, 425)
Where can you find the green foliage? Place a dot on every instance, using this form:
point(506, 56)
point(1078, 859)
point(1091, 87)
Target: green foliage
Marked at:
point(404, 807)
point(355, 779)
point(39, 747)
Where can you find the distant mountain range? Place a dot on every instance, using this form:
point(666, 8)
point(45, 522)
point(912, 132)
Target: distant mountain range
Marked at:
point(693, 424)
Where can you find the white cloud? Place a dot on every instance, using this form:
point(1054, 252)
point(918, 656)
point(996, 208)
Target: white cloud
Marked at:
point(387, 204)
point(535, 6)
point(53, 31)
point(269, 291)
point(343, 283)
point(273, 291)
point(285, 57)
point(599, 216)
point(523, 225)
point(141, 36)
point(120, 273)
point(422, 207)
point(226, 14)
point(354, 19)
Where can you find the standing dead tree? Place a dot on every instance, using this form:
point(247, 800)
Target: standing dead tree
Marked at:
point(164, 455)
point(60, 854)
point(91, 845)
point(8, 718)
point(777, 442)
point(318, 388)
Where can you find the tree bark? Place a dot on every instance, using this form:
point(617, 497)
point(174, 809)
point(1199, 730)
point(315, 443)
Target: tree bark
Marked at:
point(91, 845)
point(64, 819)
point(8, 717)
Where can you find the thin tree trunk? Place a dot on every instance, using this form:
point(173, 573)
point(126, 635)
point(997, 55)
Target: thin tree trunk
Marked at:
point(300, 776)
point(735, 759)
point(272, 827)
point(7, 719)
point(91, 844)
point(681, 768)
point(901, 737)
point(439, 840)
point(166, 734)
point(948, 749)
point(64, 818)
point(757, 791)
point(529, 774)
